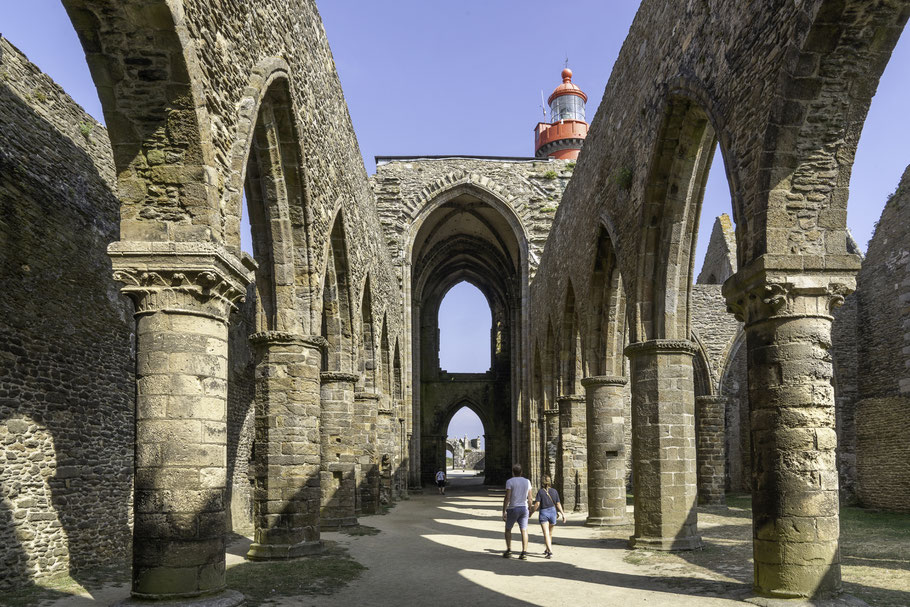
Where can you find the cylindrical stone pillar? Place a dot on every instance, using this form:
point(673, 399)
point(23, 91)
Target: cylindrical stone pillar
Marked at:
point(181, 416)
point(401, 473)
point(366, 453)
point(711, 452)
point(605, 402)
point(338, 475)
point(663, 445)
point(551, 444)
point(795, 485)
point(287, 451)
point(573, 452)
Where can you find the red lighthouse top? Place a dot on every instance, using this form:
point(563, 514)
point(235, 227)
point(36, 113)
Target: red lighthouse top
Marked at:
point(567, 88)
point(563, 136)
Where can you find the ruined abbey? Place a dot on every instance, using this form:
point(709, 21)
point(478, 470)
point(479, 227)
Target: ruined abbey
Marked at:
point(160, 388)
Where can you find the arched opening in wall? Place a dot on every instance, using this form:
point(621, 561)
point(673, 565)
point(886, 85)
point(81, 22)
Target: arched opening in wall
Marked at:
point(465, 432)
point(466, 335)
point(271, 186)
point(336, 321)
point(366, 366)
point(450, 459)
point(468, 235)
point(570, 355)
point(672, 307)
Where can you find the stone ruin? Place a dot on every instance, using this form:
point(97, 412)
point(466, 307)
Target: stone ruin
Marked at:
point(159, 388)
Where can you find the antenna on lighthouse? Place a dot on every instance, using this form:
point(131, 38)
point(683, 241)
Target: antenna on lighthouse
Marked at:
point(543, 106)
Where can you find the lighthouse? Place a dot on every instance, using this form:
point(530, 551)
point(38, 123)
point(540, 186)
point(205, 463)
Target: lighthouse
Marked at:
point(563, 136)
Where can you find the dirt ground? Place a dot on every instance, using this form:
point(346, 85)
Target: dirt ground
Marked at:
point(442, 550)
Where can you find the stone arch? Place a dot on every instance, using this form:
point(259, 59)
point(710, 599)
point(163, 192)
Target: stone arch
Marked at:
point(162, 139)
point(448, 411)
point(368, 365)
point(673, 196)
point(606, 316)
point(337, 321)
point(570, 348)
point(804, 177)
point(705, 381)
point(398, 386)
point(385, 369)
point(273, 185)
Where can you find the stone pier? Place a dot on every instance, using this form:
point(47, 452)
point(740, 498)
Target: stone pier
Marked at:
point(366, 450)
point(709, 432)
point(795, 507)
point(605, 404)
point(287, 452)
point(183, 295)
point(663, 445)
point(573, 453)
point(338, 471)
point(551, 444)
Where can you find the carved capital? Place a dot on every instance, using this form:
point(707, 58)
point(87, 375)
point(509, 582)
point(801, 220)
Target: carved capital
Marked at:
point(367, 396)
point(758, 293)
point(571, 398)
point(329, 377)
point(264, 339)
point(603, 380)
point(662, 346)
point(187, 278)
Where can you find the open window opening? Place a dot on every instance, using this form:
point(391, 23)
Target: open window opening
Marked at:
point(466, 333)
point(465, 435)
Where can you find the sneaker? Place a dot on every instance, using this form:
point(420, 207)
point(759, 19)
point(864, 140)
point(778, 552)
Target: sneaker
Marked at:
point(522, 557)
point(506, 554)
point(549, 555)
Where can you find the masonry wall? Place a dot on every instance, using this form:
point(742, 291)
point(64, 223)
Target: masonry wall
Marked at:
point(883, 410)
point(66, 343)
point(533, 188)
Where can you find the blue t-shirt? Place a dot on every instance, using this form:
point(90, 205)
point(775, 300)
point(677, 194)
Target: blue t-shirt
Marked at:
point(547, 499)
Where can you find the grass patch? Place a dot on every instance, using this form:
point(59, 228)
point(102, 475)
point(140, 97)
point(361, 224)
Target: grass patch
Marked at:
point(309, 576)
point(548, 210)
point(874, 546)
point(358, 530)
point(550, 175)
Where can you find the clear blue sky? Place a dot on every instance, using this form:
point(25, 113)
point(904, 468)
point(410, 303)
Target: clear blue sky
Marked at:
point(466, 77)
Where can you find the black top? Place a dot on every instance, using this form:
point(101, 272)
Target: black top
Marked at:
point(547, 498)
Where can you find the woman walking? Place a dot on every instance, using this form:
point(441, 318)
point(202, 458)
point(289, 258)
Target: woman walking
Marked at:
point(547, 501)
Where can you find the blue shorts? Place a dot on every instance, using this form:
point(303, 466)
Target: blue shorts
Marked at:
point(547, 515)
point(517, 515)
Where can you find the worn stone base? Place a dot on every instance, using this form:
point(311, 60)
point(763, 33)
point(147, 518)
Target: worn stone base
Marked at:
point(607, 521)
point(334, 524)
point(666, 544)
point(279, 552)
point(226, 598)
point(843, 600)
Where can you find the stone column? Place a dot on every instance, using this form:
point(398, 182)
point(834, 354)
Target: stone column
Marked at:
point(402, 471)
point(573, 453)
point(338, 476)
point(663, 445)
point(711, 454)
point(605, 401)
point(366, 450)
point(286, 450)
point(795, 486)
point(183, 294)
point(551, 441)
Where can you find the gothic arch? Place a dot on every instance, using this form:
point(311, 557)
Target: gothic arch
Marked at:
point(114, 34)
point(673, 195)
point(337, 320)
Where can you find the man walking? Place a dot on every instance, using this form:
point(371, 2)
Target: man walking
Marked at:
point(515, 509)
